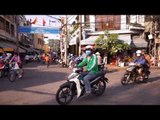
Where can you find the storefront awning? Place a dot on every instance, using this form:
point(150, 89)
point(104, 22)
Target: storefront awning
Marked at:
point(10, 47)
point(139, 42)
point(125, 38)
point(91, 39)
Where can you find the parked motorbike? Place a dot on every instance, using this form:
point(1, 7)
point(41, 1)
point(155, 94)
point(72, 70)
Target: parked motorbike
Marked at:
point(75, 86)
point(132, 75)
point(15, 72)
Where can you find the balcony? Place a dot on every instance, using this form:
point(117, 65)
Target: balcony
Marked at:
point(136, 26)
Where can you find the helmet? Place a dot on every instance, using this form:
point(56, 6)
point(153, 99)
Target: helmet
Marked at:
point(89, 47)
point(97, 53)
point(138, 52)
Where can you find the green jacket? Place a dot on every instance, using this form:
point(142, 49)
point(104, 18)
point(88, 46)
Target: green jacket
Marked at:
point(92, 64)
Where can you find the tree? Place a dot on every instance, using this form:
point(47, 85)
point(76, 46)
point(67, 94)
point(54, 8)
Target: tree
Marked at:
point(110, 43)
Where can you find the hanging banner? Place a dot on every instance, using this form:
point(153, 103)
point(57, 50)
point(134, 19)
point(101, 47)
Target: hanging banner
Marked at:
point(41, 30)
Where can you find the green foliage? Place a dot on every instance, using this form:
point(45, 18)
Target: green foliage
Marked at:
point(110, 43)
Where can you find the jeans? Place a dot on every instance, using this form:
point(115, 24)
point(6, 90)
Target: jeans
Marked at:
point(87, 76)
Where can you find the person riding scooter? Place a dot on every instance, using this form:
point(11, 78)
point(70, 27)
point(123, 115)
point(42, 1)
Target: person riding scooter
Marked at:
point(148, 60)
point(91, 69)
point(140, 63)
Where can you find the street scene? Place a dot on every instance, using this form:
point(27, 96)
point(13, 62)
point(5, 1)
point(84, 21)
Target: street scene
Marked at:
point(40, 84)
point(79, 59)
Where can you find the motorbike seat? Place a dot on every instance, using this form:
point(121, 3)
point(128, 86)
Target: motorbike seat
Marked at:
point(100, 73)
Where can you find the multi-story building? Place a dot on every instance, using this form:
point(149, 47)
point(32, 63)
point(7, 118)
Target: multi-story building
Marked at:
point(8, 33)
point(39, 42)
point(25, 39)
point(129, 27)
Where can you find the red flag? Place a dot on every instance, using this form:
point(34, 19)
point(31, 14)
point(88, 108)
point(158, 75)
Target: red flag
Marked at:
point(44, 22)
point(34, 22)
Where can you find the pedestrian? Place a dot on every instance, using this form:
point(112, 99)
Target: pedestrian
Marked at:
point(105, 59)
point(47, 59)
point(99, 60)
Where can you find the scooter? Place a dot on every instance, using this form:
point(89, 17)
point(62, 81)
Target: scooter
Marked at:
point(74, 87)
point(132, 75)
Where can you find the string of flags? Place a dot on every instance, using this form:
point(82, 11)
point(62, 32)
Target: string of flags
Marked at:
point(35, 21)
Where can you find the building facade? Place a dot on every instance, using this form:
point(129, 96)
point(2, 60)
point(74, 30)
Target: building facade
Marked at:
point(9, 33)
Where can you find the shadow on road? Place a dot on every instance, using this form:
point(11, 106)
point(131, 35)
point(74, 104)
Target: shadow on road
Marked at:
point(34, 77)
point(153, 79)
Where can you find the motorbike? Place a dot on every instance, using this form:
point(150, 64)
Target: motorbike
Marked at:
point(132, 75)
point(3, 69)
point(15, 72)
point(74, 87)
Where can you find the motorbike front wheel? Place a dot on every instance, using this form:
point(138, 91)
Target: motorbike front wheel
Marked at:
point(125, 79)
point(1, 73)
point(64, 95)
point(12, 76)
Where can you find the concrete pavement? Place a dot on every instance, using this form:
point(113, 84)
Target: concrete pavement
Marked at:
point(39, 86)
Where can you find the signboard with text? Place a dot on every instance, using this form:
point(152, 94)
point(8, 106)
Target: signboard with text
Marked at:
point(40, 30)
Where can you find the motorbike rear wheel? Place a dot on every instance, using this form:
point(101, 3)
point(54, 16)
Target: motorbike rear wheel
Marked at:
point(64, 93)
point(12, 76)
point(99, 88)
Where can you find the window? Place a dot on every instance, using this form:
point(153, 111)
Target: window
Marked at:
point(2, 23)
point(7, 27)
point(12, 29)
point(148, 18)
point(86, 20)
point(113, 22)
point(127, 19)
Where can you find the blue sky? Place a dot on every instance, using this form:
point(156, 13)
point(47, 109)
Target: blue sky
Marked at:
point(50, 22)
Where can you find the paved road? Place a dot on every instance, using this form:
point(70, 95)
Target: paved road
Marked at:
point(39, 86)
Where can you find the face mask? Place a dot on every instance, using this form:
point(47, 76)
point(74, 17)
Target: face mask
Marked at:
point(88, 52)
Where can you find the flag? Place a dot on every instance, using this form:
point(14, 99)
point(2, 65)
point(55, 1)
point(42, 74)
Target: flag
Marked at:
point(35, 21)
point(44, 22)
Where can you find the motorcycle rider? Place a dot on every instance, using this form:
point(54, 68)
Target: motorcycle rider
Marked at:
point(16, 59)
point(91, 69)
point(148, 59)
point(140, 62)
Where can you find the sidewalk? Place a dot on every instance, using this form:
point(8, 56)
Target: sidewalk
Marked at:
point(114, 67)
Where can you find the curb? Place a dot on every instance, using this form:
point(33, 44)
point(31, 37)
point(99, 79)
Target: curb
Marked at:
point(123, 68)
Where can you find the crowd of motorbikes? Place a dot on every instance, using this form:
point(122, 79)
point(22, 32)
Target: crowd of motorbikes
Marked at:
point(74, 86)
point(12, 71)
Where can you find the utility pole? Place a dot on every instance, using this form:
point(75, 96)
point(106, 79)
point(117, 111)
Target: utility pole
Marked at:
point(17, 36)
point(80, 33)
point(66, 42)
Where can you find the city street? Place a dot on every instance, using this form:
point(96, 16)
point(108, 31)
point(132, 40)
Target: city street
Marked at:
point(39, 86)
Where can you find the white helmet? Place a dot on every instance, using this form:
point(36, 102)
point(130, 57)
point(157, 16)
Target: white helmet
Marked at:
point(138, 52)
point(97, 53)
point(89, 47)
